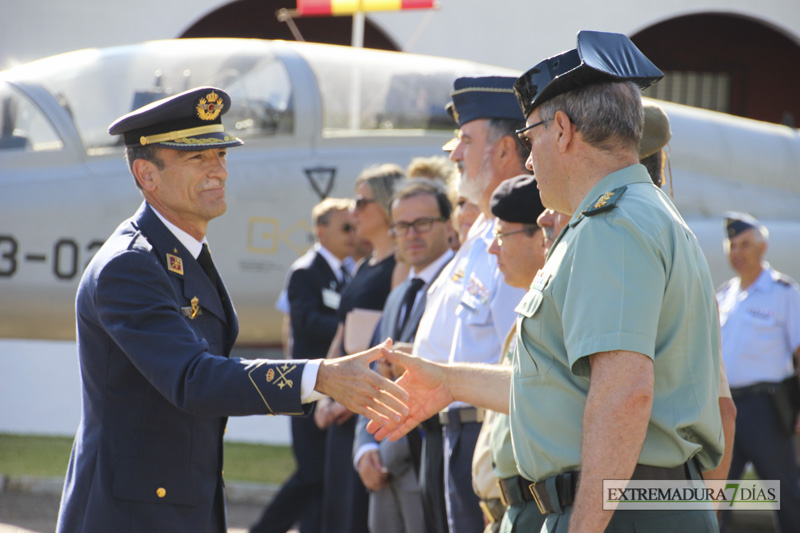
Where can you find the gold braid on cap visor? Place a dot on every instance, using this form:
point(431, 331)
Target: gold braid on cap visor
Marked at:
point(175, 135)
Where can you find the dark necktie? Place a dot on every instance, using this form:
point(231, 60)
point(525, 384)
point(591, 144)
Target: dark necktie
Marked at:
point(208, 264)
point(408, 305)
point(345, 279)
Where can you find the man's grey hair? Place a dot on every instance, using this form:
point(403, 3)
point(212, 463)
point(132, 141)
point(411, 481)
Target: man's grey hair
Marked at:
point(608, 115)
point(147, 152)
point(497, 128)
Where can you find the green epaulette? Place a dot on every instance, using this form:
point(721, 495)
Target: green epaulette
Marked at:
point(605, 202)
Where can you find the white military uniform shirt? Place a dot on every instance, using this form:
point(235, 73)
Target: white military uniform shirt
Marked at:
point(469, 308)
point(760, 328)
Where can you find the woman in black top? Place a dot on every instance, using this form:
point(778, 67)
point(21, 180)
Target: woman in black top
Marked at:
point(345, 500)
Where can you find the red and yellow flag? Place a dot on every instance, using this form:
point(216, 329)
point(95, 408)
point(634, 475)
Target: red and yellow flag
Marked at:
point(306, 8)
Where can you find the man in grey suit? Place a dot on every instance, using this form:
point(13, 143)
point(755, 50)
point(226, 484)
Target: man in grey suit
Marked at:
point(421, 224)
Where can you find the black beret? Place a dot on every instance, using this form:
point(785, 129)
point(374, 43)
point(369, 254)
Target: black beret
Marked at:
point(599, 57)
point(483, 97)
point(191, 120)
point(517, 200)
point(736, 223)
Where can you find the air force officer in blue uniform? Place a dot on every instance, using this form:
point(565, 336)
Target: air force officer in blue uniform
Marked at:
point(155, 327)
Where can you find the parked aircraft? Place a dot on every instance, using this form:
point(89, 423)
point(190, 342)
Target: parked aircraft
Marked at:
point(312, 117)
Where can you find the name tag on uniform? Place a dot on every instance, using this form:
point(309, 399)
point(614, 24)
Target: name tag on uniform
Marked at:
point(331, 298)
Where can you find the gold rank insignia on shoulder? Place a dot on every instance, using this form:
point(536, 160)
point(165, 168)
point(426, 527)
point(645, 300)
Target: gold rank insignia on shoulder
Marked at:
point(209, 107)
point(175, 264)
point(192, 312)
point(605, 202)
point(603, 199)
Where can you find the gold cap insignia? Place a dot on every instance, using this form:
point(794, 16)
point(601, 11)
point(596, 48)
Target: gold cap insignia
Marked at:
point(209, 107)
point(175, 264)
point(270, 375)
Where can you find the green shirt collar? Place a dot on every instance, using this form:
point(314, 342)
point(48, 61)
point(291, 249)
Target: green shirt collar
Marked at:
point(633, 174)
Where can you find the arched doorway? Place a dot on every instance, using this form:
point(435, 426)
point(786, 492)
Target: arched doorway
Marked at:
point(256, 19)
point(727, 63)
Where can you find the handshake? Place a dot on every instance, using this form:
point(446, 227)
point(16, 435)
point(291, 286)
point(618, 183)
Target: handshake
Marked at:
point(423, 389)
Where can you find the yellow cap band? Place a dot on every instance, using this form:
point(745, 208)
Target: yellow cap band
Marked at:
point(174, 135)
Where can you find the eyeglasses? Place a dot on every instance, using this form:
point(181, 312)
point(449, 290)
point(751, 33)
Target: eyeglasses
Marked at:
point(421, 225)
point(348, 227)
point(361, 202)
point(524, 139)
point(499, 236)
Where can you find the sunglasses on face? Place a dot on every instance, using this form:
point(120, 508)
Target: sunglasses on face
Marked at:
point(361, 202)
point(524, 139)
point(420, 225)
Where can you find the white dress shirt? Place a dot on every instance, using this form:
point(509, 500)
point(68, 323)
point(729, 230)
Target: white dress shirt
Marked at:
point(760, 328)
point(469, 308)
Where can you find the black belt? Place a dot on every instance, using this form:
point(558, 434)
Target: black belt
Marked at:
point(493, 509)
point(566, 485)
point(757, 389)
point(513, 490)
point(462, 415)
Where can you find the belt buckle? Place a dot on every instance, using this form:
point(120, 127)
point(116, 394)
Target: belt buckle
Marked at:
point(531, 486)
point(502, 493)
point(486, 511)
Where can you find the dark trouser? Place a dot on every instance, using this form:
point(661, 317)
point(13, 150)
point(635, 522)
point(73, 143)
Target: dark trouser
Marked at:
point(300, 497)
point(522, 518)
point(463, 508)
point(638, 521)
point(345, 505)
point(760, 439)
point(431, 476)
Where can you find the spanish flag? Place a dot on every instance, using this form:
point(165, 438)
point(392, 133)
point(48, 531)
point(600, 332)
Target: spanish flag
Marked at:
point(321, 8)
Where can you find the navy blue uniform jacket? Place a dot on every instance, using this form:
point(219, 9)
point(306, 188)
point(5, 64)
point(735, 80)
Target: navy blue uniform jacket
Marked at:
point(157, 387)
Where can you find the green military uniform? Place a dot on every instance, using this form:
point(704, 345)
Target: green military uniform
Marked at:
point(625, 274)
point(520, 515)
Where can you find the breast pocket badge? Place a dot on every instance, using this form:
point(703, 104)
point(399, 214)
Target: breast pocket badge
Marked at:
point(193, 311)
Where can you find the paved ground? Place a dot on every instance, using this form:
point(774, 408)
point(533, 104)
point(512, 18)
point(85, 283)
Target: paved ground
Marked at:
point(32, 507)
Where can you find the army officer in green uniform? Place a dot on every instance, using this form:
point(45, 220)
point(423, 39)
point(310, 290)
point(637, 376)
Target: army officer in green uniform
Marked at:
point(615, 374)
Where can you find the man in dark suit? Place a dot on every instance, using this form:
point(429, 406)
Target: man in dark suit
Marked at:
point(155, 328)
point(314, 288)
point(421, 223)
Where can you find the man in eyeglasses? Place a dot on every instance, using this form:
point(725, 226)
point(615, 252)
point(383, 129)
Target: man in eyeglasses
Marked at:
point(470, 308)
point(420, 212)
point(616, 372)
point(519, 246)
point(313, 291)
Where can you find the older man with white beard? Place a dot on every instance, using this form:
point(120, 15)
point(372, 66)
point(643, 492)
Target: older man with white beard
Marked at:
point(470, 309)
